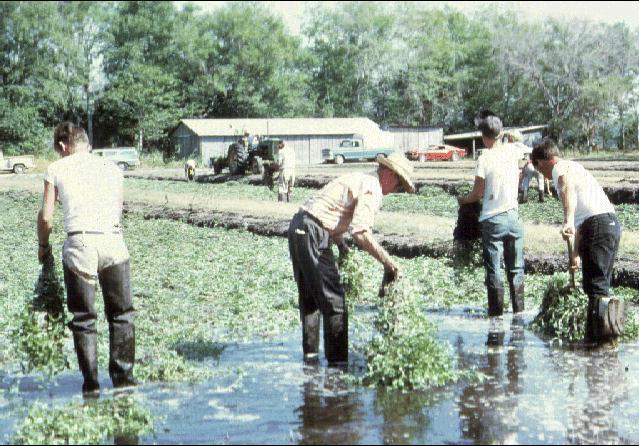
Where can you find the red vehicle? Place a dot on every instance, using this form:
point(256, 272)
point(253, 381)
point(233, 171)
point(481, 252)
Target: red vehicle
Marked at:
point(440, 152)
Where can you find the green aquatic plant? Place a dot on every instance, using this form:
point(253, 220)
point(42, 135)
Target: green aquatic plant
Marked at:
point(563, 311)
point(40, 330)
point(404, 353)
point(90, 422)
point(352, 276)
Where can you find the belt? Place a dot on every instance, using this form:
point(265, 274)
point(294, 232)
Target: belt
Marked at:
point(69, 234)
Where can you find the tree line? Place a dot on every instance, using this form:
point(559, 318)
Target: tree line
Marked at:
point(129, 71)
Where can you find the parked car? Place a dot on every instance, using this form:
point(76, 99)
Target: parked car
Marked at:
point(16, 164)
point(354, 149)
point(125, 157)
point(439, 152)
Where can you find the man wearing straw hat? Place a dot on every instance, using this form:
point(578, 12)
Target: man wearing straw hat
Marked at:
point(348, 202)
point(590, 218)
point(496, 184)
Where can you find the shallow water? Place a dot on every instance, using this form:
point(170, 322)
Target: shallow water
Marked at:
point(533, 392)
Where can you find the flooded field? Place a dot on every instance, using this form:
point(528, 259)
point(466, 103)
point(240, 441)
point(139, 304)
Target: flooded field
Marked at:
point(531, 393)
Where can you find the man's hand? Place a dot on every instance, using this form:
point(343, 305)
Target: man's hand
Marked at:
point(391, 274)
point(575, 263)
point(568, 231)
point(43, 251)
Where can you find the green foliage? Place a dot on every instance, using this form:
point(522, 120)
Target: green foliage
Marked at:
point(563, 310)
point(91, 422)
point(352, 276)
point(405, 353)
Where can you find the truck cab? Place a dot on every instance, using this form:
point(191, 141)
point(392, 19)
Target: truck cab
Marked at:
point(354, 149)
point(16, 164)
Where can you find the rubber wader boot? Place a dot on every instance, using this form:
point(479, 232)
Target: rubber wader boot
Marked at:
point(280, 196)
point(86, 347)
point(496, 332)
point(120, 314)
point(541, 196)
point(495, 301)
point(524, 197)
point(609, 316)
point(288, 197)
point(517, 297)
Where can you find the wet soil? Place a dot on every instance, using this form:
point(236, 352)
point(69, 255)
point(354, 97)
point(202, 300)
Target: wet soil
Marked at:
point(626, 271)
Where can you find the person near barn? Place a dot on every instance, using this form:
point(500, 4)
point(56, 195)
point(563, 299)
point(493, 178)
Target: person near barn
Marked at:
point(348, 202)
point(286, 166)
point(589, 219)
point(496, 184)
point(90, 191)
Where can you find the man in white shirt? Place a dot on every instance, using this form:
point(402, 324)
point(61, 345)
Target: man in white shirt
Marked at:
point(286, 166)
point(496, 183)
point(348, 202)
point(90, 190)
point(590, 218)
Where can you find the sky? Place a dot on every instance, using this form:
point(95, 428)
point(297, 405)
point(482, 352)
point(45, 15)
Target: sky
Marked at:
point(607, 12)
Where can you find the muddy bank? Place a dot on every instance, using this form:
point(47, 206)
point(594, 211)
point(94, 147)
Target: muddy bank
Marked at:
point(626, 270)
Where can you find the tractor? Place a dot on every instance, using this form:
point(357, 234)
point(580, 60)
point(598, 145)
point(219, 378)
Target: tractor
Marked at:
point(257, 158)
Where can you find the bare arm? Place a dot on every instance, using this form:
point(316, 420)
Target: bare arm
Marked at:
point(45, 218)
point(476, 194)
point(568, 203)
point(366, 242)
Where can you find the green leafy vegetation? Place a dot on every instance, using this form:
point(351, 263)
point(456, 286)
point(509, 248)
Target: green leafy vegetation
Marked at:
point(563, 311)
point(405, 354)
point(89, 422)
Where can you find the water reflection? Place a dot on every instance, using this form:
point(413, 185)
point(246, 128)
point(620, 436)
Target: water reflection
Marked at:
point(405, 415)
point(488, 412)
point(330, 413)
point(593, 421)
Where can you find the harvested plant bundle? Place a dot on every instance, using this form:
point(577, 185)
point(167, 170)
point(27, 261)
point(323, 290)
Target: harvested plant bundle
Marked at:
point(352, 276)
point(563, 310)
point(405, 354)
point(40, 331)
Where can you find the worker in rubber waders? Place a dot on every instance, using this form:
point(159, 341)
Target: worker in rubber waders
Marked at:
point(589, 219)
point(348, 202)
point(90, 191)
point(286, 166)
point(497, 185)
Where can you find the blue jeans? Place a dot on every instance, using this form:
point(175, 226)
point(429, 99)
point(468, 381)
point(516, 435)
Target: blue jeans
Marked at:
point(503, 234)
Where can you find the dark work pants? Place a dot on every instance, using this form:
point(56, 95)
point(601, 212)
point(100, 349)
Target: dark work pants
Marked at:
point(320, 288)
point(120, 314)
point(598, 248)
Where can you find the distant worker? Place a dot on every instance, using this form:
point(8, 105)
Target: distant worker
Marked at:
point(496, 184)
point(189, 170)
point(590, 219)
point(528, 171)
point(90, 190)
point(286, 165)
point(349, 201)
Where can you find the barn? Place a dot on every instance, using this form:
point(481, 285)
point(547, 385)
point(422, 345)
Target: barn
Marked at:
point(207, 139)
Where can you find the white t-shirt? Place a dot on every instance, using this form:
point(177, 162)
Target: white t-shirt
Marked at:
point(590, 198)
point(286, 158)
point(90, 191)
point(499, 167)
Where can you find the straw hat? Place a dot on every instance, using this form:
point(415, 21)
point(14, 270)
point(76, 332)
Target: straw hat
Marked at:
point(401, 166)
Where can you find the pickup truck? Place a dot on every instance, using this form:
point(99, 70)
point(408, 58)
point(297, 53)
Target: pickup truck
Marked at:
point(16, 164)
point(353, 149)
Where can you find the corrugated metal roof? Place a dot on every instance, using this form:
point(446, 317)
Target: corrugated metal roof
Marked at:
point(281, 126)
point(477, 134)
